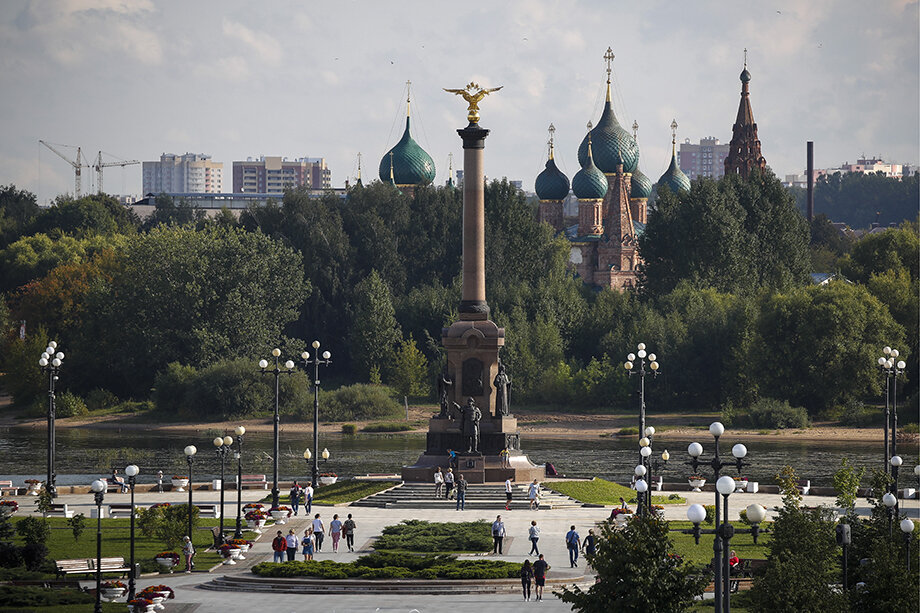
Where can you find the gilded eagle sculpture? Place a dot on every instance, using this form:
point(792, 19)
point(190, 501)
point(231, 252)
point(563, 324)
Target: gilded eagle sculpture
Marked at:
point(473, 93)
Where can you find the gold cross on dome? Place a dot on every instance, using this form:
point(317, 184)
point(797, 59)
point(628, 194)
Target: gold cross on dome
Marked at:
point(609, 57)
point(745, 57)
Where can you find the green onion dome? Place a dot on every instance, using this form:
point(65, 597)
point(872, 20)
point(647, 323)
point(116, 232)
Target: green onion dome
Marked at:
point(589, 183)
point(411, 164)
point(551, 184)
point(674, 178)
point(641, 186)
point(613, 145)
point(745, 76)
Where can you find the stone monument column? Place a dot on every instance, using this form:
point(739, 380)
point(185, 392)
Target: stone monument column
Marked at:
point(473, 304)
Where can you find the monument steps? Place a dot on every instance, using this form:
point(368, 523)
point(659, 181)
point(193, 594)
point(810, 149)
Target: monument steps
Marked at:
point(478, 497)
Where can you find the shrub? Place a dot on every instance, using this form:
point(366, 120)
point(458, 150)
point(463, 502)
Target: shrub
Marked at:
point(10, 555)
point(167, 523)
point(132, 406)
point(100, 399)
point(70, 405)
point(856, 413)
point(630, 431)
point(357, 402)
point(710, 513)
point(390, 565)
point(910, 429)
point(33, 555)
point(28, 596)
point(771, 413)
point(418, 535)
point(349, 429)
point(387, 426)
point(77, 525)
point(33, 530)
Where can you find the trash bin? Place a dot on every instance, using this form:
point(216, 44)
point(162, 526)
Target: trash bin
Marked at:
point(216, 485)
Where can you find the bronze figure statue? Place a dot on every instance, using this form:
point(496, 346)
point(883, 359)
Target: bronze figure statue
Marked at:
point(444, 385)
point(470, 415)
point(502, 384)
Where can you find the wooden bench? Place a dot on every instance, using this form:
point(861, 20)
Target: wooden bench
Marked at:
point(252, 480)
point(123, 509)
point(85, 566)
point(208, 510)
point(7, 486)
point(117, 486)
point(59, 510)
point(804, 486)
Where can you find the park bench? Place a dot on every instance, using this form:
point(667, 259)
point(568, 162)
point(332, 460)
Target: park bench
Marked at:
point(114, 486)
point(59, 510)
point(804, 486)
point(85, 566)
point(123, 509)
point(7, 486)
point(252, 480)
point(208, 510)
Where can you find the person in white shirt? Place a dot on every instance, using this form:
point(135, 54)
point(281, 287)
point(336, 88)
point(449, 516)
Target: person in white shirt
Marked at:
point(292, 543)
point(438, 482)
point(318, 530)
point(533, 493)
point(308, 498)
point(448, 482)
point(498, 535)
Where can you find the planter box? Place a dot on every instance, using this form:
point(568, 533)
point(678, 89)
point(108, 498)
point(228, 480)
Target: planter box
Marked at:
point(752, 487)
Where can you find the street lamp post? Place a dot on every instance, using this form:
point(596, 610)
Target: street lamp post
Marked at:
point(315, 362)
point(907, 528)
point(635, 365)
point(98, 488)
point(276, 371)
point(190, 452)
point(739, 451)
point(51, 361)
point(131, 471)
point(223, 448)
point(240, 431)
point(891, 367)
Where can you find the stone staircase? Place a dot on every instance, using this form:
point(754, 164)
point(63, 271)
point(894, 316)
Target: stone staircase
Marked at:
point(478, 497)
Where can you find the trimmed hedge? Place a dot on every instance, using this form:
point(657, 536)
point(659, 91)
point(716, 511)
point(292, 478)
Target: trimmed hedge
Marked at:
point(418, 535)
point(390, 565)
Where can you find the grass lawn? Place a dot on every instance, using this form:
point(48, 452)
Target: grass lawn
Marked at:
point(116, 541)
point(600, 491)
point(743, 544)
point(342, 492)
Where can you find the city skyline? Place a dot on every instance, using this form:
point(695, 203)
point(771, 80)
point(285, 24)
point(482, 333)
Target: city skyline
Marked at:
point(138, 79)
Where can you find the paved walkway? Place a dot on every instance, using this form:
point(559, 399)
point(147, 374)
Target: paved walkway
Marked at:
point(371, 521)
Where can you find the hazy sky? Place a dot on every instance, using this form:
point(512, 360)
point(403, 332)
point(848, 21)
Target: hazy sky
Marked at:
point(137, 78)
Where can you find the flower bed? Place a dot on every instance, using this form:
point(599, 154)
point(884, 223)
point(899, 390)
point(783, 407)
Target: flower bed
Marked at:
point(240, 542)
point(252, 506)
point(618, 511)
point(113, 585)
point(160, 504)
point(256, 515)
point(161, 589)
point(9, 506)
point(281, 509)
point(171, 555)
point(388, 565)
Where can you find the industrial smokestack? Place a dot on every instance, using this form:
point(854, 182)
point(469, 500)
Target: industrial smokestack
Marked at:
point(810, 170)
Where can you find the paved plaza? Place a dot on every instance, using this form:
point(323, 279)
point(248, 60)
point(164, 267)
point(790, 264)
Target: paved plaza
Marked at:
point(370, 522)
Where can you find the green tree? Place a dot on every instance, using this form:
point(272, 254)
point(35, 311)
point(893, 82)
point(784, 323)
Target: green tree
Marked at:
point(860, 199)
point(32, 257)
point(169, 210)
point(33, 530)
point(168, 524)
point(410, 369)
point(92, 214)
point(846, 484)
point(802, 560)
point(17, 210)
point(195, 296)
point(637, 570)
point(818, 345)
point(21, 376)
point(77, 525)
point(375, 333)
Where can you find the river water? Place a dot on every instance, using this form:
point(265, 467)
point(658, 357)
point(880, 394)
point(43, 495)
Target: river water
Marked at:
point(84, 454)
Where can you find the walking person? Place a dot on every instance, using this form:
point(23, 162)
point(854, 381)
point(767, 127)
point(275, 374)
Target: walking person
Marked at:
point(540, 567)
point(308, 543)
point(504, 454)
point(189, 550)
point(508, 492)
point(295, 497)
point(573, 542)
point(308, 498)
point(348, 529)
point(526, 578)
point(498, 535)
point(449, 483)
point(461, 493)
point(533, 533)
point(532, 494)
point(291, 542)
point(318, 530)
point(589, 546)
point(454, 461)
point(335, 531)
point(438, 482)
point(279, 546)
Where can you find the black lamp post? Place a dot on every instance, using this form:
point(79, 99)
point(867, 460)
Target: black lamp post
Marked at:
point(635, 365)
point(891, 368)
point(240, 431)
point(131, 471)
point(289, 366)
point(907, 528)
point(315, 362)
point(190, 452)
point(50, 362)
point(739, 451)
point(98, 488)
point(223, 448)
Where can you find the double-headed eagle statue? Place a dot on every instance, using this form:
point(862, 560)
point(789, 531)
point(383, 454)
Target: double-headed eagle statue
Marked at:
point(473, 93)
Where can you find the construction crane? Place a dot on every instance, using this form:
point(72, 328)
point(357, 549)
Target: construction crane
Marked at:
point(77, 165)
point(100, 165)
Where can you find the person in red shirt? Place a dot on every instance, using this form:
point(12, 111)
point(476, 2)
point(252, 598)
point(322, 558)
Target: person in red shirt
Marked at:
point(279, 546)
point(734, 563)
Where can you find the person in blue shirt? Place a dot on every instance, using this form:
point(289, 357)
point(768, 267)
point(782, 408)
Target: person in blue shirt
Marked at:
point(573, 542)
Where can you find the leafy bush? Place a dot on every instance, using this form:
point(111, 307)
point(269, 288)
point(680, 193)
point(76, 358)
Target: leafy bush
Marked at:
point(357, 402)
point(387, 426)
point(389, 565)
point(10, 555)
point(132, 406)
point(856, 413)
point(418, 535)
point(100, 399)
point(910, 428)
point(33, 530)
point(771, 413)
point(349, 429)
point(77, 525)
point(630, 431)
point(169, 524)
point(710, 513)
point(70, 405)
point(33, 555)
point(27, 596)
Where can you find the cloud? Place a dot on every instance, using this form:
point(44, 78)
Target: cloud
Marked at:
point(265, 46)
